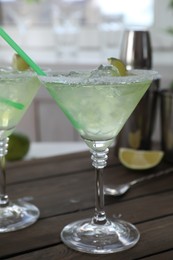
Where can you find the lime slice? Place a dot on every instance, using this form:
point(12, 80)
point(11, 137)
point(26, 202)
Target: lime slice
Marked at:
point(139, 159)
point(119, 65)
point(18, 63)
point(18, 147)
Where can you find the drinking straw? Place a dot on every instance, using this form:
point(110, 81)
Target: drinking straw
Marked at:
point(16, 105)
point(16, 47)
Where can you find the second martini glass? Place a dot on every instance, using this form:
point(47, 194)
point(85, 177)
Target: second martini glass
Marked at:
point(98, 104)
point(17, 89)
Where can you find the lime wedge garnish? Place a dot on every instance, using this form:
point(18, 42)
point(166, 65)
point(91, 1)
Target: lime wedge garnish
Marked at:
point(119, 65)
point(18, 63)
point(139, 159)
point(18, 146)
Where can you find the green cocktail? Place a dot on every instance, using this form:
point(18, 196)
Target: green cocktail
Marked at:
point(97, 109)
point(98, 103)
point(17, 90)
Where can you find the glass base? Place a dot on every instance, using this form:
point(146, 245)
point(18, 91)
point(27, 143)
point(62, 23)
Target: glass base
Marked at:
point(17, 215)
point(114, 236)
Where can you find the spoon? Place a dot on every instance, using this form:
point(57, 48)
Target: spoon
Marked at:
point(119, 190)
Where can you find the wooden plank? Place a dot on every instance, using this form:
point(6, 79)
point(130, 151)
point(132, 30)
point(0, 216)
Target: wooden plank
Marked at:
point(63, 189)
point(168, 255)
point(47, 167)
point(156, 237)
point(52, 166)
point(73, 192)
point(61, 252)
point(140, 210)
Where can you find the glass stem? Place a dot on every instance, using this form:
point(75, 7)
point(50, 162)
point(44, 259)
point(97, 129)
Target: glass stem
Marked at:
point(99, 162)
point(3, 151)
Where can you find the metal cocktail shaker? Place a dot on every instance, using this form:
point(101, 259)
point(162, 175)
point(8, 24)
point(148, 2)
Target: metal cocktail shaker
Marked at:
point(136, 50)
point(136, 53)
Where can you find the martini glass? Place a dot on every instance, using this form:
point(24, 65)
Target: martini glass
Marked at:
point(98, 105)
point(17, 89)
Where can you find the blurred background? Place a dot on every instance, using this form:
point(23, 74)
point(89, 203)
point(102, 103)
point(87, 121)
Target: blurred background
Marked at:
point(80, 34)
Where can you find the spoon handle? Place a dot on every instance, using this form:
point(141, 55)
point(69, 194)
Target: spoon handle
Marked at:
point(151, 176)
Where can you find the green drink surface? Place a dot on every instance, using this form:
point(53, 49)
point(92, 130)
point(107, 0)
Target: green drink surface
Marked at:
point(98, 108)
point(16, 93)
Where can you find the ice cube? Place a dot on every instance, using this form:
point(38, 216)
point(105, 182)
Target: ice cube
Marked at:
point(104, 71)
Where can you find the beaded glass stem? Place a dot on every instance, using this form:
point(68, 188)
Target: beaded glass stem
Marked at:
point(100, 235)
point(3, 151)
point(13, 215)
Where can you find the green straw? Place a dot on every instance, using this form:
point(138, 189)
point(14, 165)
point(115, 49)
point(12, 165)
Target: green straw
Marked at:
point(16, 47)
point(12, 103)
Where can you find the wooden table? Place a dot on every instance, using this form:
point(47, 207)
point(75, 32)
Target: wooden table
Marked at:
point(63, 189)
